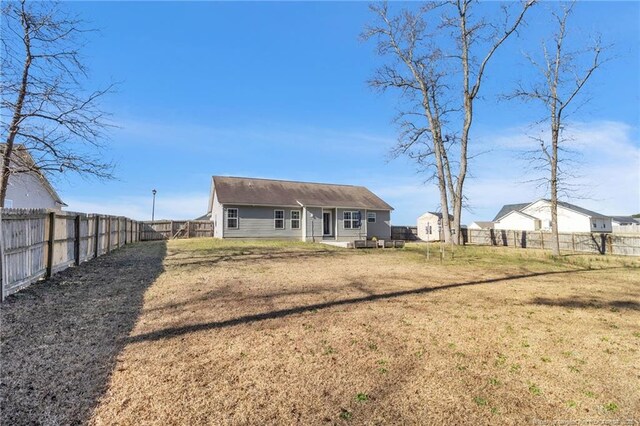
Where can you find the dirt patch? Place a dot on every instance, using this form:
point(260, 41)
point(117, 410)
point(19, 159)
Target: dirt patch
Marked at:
point(60, 337)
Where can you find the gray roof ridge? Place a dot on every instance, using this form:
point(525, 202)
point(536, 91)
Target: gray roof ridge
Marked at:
point(290, 181)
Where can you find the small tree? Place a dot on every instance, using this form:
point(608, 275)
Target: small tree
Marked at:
point(44, 106)
point(439, 55)
point(562, 75)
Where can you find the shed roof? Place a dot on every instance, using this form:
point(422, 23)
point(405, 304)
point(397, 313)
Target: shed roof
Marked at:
point(437, 214)
point(254, 191)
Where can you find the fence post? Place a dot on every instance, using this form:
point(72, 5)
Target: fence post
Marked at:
point(542, 239)
point(609, 244)
point(97, 236)
point(188, 229)
point(108, 234)
point(573, 242)
point(76, 241)
point(118, 232)
point(51, 243)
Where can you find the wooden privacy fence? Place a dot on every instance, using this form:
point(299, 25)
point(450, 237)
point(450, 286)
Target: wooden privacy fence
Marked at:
point(577, 242)
point(406, 233)
point(38, 243)
point(168, 229)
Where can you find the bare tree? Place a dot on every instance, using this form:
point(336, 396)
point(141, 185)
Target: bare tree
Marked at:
point(439, 55)
point(44, 106)
point(563, 74)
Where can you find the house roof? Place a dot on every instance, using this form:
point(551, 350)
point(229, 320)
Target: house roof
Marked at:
point(625, 219)
point(437, 214)
point(23, 157)
point(578, 209)
point(206, 216)
point(483, 223)
point(271, 192)
point(508, 208)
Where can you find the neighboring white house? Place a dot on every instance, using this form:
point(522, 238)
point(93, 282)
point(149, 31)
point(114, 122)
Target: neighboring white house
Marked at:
point(481, 224)
point(29, 189)
point(430, 226)
point(625, 224)
point(536, 216)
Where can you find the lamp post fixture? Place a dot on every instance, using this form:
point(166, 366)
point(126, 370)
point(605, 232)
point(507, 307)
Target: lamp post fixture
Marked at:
point(153, 207)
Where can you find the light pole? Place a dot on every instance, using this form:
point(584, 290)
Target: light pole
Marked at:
point(153, 207)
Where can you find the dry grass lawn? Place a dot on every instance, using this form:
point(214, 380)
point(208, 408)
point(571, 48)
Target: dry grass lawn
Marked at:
point(293, 333)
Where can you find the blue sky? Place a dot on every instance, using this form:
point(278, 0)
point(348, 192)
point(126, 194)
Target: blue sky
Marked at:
point(278, 90)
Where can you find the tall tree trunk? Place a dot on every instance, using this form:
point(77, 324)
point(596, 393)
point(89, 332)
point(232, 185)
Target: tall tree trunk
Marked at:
point(554, 189)
point(442, 186)
point(17, 112)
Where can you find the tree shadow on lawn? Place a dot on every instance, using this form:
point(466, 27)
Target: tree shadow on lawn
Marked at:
point(60, 338)
point(248, 256)
point(577, 302)
point(181, 330)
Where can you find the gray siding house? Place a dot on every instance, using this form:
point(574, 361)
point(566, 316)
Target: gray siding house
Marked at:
point(265, 208)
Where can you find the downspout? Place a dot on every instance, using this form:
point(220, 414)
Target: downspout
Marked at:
point(303, 219)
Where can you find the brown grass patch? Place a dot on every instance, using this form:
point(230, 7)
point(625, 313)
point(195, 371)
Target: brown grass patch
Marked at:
point(281, 333)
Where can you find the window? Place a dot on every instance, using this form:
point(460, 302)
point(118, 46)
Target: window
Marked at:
point(278, 219)
point(371, 217)
point(351, 220)
point(595, 225)
point(295, 219)
point(428, 229)
point(232, 218)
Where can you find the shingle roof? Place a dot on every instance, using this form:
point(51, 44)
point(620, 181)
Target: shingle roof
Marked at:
point(483, 223)
point(253, 191)
point(625, 219)
point(579, 209)
point(437, 214)
point(508, 208)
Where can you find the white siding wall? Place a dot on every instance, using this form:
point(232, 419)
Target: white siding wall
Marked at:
point(515, 221)
point(217, 215)
point(568, 220)
point(424, 222)
point(27, 192)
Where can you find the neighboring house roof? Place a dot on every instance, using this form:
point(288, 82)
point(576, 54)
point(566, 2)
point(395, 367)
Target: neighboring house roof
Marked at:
point(204, 217)
point(578, 209)
point(483, 224)
point(528, 216)
point(625, 220)
point(27, 162)
point(271, 192)
point(439, 215)
point(508, 208)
